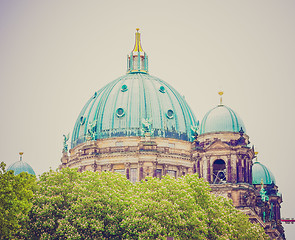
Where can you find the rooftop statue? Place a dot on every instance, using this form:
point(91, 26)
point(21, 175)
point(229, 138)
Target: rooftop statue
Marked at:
point(146, 126)
point(66, 139)
point(91, 130)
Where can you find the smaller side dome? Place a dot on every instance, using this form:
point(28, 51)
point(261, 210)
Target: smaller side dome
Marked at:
point(221, 119)
point(261, 172)
point(21, 166)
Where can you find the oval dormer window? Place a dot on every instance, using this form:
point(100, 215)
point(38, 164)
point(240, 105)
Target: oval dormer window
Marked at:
point(82, 120)
point(170, 114)
point(162, 89)
point(124, 88)
point(120, 112)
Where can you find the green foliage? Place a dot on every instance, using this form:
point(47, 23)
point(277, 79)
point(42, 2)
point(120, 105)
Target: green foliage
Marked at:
point(15, 200)
point(88, 205)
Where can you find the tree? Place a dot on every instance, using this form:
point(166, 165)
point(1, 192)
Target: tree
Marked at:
point(15, 200)
point(89, 205)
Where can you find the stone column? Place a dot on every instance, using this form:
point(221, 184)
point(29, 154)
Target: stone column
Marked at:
point(208, 169)
point(140, 170)
point(165, 168)
point(244, 169)
point(204, 168)
point(183, 172)
point(250, 172)
point(198, 166)
point(239, 169)
point(155, 163)
point(110, 167)
point(194, 167)
point(94, 166)
point(247, 170)
point(228, 170)
point(127, 170)
point(234, 167)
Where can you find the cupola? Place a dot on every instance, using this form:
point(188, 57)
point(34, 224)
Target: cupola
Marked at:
point(221, 119)
point(261, 174)
point(134, 104)
point(21, 166)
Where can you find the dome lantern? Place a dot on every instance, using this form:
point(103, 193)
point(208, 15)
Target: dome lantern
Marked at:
point(137, 61)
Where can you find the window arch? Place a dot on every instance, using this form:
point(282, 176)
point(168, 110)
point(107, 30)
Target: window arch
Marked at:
point(219, 171)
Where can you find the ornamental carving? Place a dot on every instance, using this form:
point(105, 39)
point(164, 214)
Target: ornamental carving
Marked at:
point(127, 165)
point(109, 166)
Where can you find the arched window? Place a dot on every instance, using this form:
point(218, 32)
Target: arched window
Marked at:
point(219, 171)
point(133, 175)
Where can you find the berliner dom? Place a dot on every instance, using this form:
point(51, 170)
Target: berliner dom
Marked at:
point(139, 125)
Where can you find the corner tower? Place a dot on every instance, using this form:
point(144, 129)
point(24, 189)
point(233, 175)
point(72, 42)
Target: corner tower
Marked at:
point(223, 155)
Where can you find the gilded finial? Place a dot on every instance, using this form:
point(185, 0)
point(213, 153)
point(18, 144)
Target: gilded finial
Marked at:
point(256, 153)
point(137, 47)
point(21, 156)
point(220, 94)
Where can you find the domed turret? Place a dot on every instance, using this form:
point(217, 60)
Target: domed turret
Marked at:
point(134, 104)
point(21, 166)
point(261, 173)
point(221, 119)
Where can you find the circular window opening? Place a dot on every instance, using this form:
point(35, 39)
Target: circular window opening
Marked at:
point(124, 88)
point(120, 112)
point(162, 89)
point(82, 120)
point(170, 113)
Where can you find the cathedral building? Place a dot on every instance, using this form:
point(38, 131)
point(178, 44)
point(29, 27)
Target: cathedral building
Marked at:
point(139, 126)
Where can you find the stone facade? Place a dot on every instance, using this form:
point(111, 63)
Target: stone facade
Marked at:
point(136, 156)
point(222, 159)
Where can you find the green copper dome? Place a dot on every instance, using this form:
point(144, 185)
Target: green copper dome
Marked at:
point(261, 173)
point(21, 166)
point(134, 104)
point(221, 119)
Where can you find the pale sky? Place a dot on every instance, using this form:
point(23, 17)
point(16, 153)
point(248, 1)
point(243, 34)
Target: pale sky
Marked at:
point(55, 54)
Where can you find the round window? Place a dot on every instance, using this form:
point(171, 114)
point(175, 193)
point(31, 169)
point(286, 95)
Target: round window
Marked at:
point(82, 120)
point(120, 112)
point(170, 114)
point(124, 88)
point(162, 89)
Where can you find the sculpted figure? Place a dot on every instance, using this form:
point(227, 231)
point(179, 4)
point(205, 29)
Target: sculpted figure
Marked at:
point(66, 139)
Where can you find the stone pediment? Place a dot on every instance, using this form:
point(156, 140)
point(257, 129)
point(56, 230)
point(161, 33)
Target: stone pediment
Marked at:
point(218, 145)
